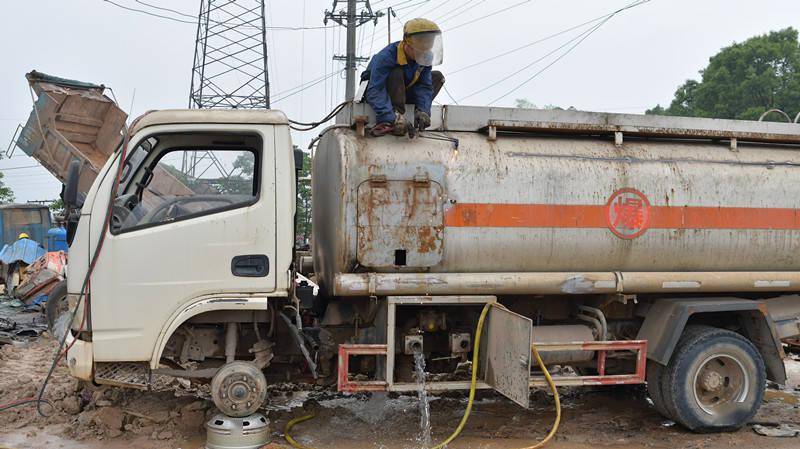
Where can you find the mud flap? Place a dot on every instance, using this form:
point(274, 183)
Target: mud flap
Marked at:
point(505, 354)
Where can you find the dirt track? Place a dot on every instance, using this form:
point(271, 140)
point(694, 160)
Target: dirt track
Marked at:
point(113, 418)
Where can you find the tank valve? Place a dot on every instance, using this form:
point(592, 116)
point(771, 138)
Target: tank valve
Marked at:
point(460, 343)
point(412, 344)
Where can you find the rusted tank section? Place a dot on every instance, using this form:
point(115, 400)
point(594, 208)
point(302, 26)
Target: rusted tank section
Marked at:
point(559, 192)
point(71, 120)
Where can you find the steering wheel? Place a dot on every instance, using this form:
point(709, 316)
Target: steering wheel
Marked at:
point(122, 209)
point(171, 208)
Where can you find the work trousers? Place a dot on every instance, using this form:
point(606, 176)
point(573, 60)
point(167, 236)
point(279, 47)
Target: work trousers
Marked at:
point(396, 85)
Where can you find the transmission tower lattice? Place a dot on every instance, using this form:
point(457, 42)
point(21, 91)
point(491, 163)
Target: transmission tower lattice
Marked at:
point(230, 56)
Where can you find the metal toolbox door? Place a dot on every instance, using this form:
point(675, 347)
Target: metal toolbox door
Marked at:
point(505, 359)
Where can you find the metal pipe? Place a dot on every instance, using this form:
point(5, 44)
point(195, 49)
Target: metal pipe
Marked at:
point(596, 323)
point(231, 341)
point(600, 316)
point(393, 284)
point(205, 373)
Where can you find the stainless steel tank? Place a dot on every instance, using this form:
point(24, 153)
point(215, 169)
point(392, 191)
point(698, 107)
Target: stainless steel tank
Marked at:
point(669, 200)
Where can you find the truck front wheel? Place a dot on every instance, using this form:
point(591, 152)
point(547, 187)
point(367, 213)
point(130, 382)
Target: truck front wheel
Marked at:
point(715, 380)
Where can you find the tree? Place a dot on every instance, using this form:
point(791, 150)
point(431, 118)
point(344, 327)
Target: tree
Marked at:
point(303, 222)
point(245, 163)
point(524, 103)
point(57, 207)
point(744, 80)
point(6, 194)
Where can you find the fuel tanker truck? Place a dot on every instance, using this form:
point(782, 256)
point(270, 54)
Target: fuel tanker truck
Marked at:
point(626, 249)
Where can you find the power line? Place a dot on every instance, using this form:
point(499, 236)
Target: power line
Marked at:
point(165, 9)
point(175, 19)
point(568, 51)
point(464, 7)
point(297, 89)
point(538, 41)
point(20, 168)
point(488, 15)
point(435, 7)
point(128, 8)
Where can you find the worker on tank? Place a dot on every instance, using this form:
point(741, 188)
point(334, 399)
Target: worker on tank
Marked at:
point(401, 74)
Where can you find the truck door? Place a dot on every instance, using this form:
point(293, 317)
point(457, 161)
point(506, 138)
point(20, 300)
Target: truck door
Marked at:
point(194, 218)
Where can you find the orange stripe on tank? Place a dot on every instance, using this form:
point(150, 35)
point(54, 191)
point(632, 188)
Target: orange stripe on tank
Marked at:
point(594, 216)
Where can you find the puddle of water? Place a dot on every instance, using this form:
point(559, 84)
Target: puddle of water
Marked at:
point(424, 404)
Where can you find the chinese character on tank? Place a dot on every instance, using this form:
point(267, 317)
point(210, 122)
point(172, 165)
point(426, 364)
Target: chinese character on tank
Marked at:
point(628, 213)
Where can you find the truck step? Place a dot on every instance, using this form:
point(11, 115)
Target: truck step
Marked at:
point(123, 374)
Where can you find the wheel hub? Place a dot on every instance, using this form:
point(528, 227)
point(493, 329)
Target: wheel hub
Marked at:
point(238, 389)
point(720, 379)
point(711, 381)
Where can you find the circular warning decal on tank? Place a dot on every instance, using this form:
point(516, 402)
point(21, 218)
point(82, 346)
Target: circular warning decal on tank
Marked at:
point(628, 213)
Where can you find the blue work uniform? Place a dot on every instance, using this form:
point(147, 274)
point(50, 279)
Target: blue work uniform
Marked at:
point(419, 85)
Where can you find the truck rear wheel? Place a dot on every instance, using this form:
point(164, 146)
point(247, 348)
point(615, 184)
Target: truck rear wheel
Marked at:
point(715, 380)
point(655, 378)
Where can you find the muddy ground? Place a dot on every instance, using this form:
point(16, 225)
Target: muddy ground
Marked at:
point(90, 417)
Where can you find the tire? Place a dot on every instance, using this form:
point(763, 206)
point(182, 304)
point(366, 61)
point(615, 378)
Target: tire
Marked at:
point(714, 381)
point(655, 376)
point(56, 304)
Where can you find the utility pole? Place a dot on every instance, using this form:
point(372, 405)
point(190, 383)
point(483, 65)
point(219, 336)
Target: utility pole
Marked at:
point(351, 19)
point(389, 14)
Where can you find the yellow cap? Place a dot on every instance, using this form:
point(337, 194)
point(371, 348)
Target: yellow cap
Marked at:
point(23, 236)
point(420, 25)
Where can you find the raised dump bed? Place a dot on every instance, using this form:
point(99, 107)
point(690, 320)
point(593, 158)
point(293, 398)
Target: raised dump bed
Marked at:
point(71, 120)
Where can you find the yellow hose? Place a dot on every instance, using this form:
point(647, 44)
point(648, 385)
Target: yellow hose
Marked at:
point(472, 388)
point(288, 429)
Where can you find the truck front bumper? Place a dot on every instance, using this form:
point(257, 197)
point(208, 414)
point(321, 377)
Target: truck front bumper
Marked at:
point(79, 357)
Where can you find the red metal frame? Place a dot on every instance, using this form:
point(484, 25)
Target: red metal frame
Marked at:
point(352, 386)
point(601, 347)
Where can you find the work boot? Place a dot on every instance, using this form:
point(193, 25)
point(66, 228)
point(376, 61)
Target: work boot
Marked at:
point(400, 125)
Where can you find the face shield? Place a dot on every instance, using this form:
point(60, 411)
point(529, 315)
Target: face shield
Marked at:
point(427, 47)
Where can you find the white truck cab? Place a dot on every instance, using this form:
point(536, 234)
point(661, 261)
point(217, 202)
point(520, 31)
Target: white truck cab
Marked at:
point(202, 221)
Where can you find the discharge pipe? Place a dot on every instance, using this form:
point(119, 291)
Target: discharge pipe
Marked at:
point(385, 284)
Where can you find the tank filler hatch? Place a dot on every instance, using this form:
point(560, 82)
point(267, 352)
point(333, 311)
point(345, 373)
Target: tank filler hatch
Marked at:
point(400, 222)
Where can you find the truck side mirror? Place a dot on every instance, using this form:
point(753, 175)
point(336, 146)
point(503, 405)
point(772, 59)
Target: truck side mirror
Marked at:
point(71, 185)
point(72, 210)
point(298, 159)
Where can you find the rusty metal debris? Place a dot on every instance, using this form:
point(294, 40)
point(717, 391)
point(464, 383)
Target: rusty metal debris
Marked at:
point(782, 430)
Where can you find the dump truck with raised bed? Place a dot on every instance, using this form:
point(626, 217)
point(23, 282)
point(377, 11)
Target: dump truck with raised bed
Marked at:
point(627, 249)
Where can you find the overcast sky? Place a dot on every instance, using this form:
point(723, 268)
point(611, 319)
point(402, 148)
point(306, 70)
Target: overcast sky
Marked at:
point(631, 63)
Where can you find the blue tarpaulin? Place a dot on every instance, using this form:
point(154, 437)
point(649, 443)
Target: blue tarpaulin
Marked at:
point(26, 250)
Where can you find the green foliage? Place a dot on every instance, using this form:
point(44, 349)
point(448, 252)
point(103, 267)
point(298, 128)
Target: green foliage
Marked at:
point(6, 194)
point(744, 80)
point(57, 207)
point(303, 222)
point(245, 164)
point(524, 103)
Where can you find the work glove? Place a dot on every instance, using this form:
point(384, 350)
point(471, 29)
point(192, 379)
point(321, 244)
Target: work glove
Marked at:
point(400, 124)
point(421, 120)
point(381, 129)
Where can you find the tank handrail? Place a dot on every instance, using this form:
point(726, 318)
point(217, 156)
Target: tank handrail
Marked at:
point(776, 111)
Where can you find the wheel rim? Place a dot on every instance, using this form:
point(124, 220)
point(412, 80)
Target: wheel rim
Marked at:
point(721, 379)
